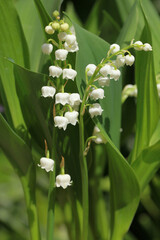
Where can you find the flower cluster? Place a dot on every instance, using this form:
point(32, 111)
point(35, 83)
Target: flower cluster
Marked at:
point(67, 104)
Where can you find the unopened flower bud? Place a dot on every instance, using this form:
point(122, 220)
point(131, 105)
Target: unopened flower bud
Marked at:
point(90, 68)
point(63, 180)
point(69, 74)
point(47, 48)
point(55, 71)
point(62, 98)
point(61, 122)
point(129, 60)
point(114, 48)
point(55, 25)
point(97, 94)
point(72, 117)
point(147, 47)
point(61, 54)
point(95, 110)
point(64, 26)
point(55, 13)
point(49, 30)
point(46, 163)
point(48, 91)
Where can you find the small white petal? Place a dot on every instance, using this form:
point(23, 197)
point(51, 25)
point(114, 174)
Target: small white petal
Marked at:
point(63, 180)
point(95, 110)
point(97, 94)
point(69, 74)
point(90, 68)
point(120, 61)
point(72, 117)
point(147, 47)
point(61, 122)
point(129, 60)
point(47, 48)
point(55, 71)
point(74, 99)
point(48, 91)
point(70, 39)
point(62, 98)
point(46, 163)
point(72, 47)
point(105, 70)
point(115, 74)
point(114, 48)
point(138, 45)
point(61, 54)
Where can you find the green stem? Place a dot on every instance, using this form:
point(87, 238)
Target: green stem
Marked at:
point(84, 174)
point(29, 188)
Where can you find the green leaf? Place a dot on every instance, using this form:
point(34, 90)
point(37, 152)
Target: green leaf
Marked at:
point(34, 108)
point(148, 108)
point(124, 7)
point(14, 147)
point(13, 45)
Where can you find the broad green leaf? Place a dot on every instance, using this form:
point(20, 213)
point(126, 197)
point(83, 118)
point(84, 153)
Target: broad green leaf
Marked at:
point(148, 108)
point(34, 107)
point(153, 20)
point(14, 147)
point(13, 45)
point(111, 103)
point(124, 7)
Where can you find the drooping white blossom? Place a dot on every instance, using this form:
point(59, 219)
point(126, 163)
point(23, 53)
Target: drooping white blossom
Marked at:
point(74, 99)
point(115, 74)
point(95, 110)
point(69, 74)
point(47, 48)
point(49, 30)
point(120, 61)
point(129, 60)
point(70, 39)
point(99, 138)
point(104, 81)
point(105, 70)
point(72, 117)
point(61, 122)
point(72, 47)
point(63, 180)
point(55, 71)
point(97, 94)
point(48, 91)
point(147, 47)
point(114, 48)
point(61, 54)
point(138, 45)
point(62, 98)
point(90, 68)
point(47, 164)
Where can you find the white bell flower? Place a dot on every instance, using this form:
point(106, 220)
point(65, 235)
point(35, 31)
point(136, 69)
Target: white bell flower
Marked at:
point(49, 30)
point(95, 110)
point(115, 74)
point(97, 94)
point(130, 90)
point(55, 71)
point(70, 39)
point(72, 47)
point(62, 36)
point(69, 74)
point(129, 60)
point(114, 48)
point(61, 122)
point(90, 68)
point(105, 70)
point(74, 99)
point(138, 45)
point(48, 91)
point(147, 47)
point(63, 180)
point(104, 81)
point(62, 98)
point(72, 117)
point(47, 48)
point(120, 61)
point(99, 138)
point(61, 54)
point(47, 164)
